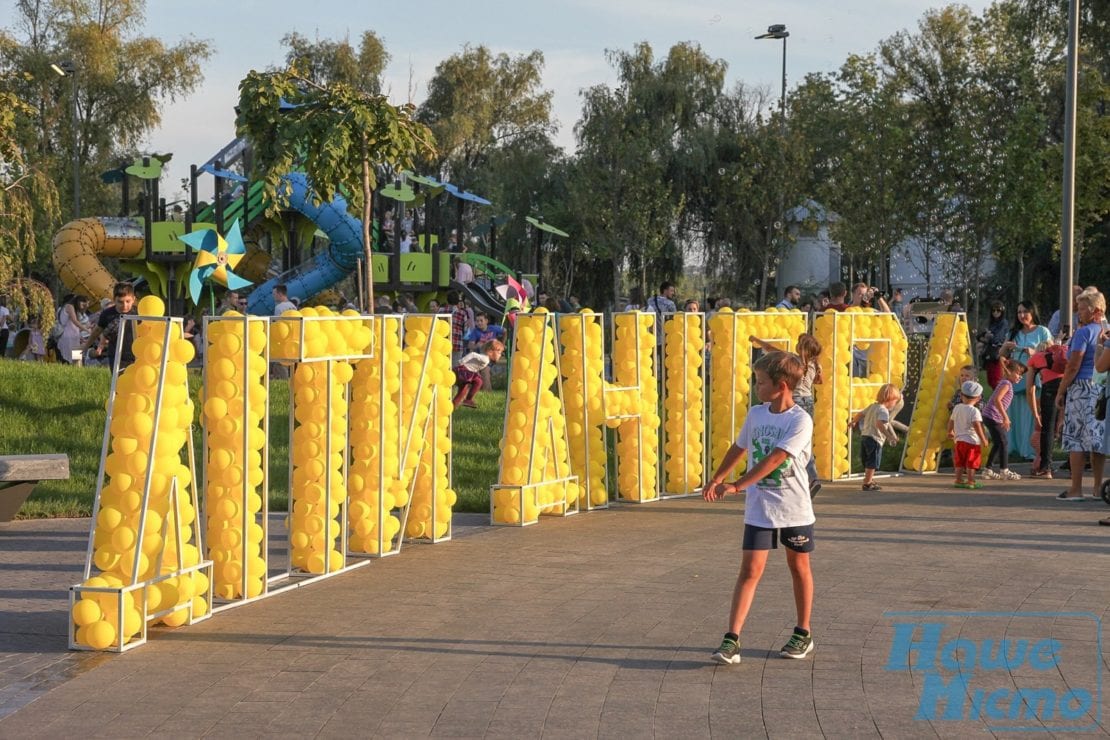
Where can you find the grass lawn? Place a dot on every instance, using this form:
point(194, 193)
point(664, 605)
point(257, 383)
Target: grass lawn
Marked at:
point(57, 408)
point(50, 408)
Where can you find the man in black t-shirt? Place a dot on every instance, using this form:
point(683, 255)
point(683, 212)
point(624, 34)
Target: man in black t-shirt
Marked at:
point(110, 326)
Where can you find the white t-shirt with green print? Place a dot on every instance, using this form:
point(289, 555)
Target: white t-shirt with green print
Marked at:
point(782, 498)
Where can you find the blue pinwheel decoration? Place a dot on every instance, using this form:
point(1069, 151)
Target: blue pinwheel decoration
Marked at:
point(216, 257)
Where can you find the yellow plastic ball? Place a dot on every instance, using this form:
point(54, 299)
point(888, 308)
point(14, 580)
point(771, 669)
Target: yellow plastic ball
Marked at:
point(86, 611)
point(151, 306)
point(100, 635)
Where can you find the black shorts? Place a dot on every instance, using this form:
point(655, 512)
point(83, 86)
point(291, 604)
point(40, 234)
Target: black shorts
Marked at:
point(798, 539)
point(872, 453)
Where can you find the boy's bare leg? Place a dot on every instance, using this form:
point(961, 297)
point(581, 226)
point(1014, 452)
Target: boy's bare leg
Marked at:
point(802, 577)
point(751, 570)
point(959, 475)
point(868, 475)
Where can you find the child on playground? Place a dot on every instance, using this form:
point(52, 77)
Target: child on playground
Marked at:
point(967, 372)
point(996, 419)
point(468, 373)
point(779, 435)
point(965, 426)
point(877, 427)
point(808, 349)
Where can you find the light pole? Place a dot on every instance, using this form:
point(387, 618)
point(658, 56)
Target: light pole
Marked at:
point(68, 69)
point(1067, 222)
point(777, 31)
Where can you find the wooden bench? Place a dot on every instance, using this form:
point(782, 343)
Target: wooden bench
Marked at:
point(19, 474)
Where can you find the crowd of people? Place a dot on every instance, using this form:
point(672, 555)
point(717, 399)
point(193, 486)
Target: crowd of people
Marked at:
point(77, 336)
point(1045, 388)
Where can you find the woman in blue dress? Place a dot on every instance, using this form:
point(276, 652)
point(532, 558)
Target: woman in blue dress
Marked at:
point(1024, 338)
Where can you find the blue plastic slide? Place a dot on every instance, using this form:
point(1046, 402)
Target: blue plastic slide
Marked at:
point(328, 266)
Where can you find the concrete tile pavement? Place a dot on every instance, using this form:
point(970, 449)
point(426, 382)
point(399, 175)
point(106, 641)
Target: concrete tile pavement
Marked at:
point(598, 625)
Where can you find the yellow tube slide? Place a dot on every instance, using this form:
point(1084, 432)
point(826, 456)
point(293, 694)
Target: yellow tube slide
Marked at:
point(80, 244)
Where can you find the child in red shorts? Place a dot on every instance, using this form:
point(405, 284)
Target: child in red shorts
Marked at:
point(965, 426)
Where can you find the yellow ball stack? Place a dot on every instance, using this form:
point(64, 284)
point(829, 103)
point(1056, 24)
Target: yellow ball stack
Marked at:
point(638, 438)
point(432, 496)
point(887, 325)
point(374, 481)
point(583, 367)
point(833, 398)
point(555, 498)
point(319, 406)
point(867, 325)
point(285, 338)
point(234, 412)
point(730, 383)
point(683, 403)
point(533, 448)
point(514, 506)
point(127, 545)
point(949, 350)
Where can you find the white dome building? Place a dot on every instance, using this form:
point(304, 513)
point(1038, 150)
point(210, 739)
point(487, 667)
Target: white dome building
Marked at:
point(812, 259)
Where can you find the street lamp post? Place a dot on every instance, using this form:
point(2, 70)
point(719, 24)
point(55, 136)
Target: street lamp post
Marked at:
point(777, 31)
point(1067, 222)
point(68, 69)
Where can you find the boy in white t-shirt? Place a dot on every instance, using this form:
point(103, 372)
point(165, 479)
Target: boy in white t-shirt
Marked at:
point(779, 434)
point(965, 426)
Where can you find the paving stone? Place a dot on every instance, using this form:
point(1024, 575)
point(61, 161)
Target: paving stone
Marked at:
point(598, 625)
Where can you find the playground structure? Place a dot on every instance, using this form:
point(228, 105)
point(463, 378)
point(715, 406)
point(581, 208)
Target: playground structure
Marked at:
point(322, 240)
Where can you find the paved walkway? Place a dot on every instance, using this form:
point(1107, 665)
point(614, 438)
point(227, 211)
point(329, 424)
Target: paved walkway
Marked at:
point(599, 625)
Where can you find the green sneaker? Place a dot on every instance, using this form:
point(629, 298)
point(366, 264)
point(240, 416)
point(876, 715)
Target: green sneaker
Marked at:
point(728, 653)
point(798, 647)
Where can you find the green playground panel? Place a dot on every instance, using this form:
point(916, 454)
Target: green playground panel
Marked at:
point(165, 236)
point(487, 264)
point(233, 208)
point(416, 268)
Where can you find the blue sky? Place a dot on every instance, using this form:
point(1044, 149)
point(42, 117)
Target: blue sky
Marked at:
point(573, 35)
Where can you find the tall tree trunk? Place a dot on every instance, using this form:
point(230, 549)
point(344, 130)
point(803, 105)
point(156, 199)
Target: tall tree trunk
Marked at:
point(763, 281)
point(1021, 276)
point(616, 275)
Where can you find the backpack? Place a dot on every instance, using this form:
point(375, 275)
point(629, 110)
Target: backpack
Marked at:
point(1056, 358)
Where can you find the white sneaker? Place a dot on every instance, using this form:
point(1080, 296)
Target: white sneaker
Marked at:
point(1008, 474)
point(989, 474)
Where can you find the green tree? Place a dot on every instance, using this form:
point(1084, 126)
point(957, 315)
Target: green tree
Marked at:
point(525, 175)
point(478, 101)
point(984, 96)
point(337, 134)
point(854, 129)
point(760, 176)
point(27, 194)
point(325, 61)
point(935, 69)
point(122, 81)
point(644, 148)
